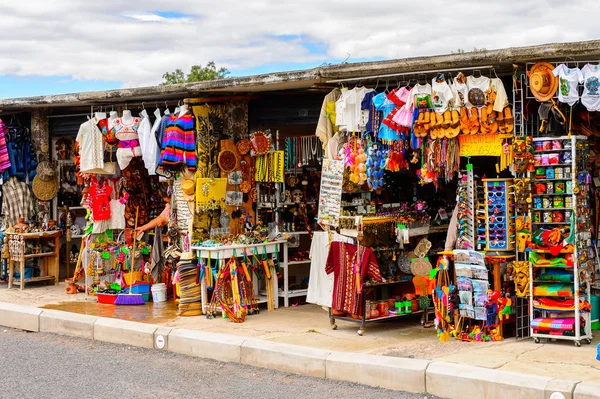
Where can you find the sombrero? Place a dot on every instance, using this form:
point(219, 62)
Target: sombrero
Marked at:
point(45, 182)
point(542, 82)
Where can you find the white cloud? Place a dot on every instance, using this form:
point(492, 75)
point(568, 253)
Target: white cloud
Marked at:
point(137, 42)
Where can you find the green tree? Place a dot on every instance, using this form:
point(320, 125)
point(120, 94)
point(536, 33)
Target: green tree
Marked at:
point(197, 73)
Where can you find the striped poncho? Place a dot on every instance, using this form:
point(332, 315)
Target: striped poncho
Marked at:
point(178, 143)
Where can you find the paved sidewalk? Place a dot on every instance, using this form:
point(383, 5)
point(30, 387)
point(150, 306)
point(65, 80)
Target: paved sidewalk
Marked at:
point(308, 325)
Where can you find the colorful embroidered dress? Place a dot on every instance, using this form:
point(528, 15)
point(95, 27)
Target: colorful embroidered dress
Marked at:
point(178, 143)
point(129, 144)
point(4, 158)
point(350, 271)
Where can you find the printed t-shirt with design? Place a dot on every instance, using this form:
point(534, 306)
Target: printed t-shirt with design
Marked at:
point(420, 96)
point(478, 87)
point(440, 95)
point(591, 87)
point(568, 79)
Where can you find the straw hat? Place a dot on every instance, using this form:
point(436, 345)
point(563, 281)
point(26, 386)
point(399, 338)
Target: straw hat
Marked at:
point(187, 256)
point(542, 82)
point(188, 187)
point(45, 182)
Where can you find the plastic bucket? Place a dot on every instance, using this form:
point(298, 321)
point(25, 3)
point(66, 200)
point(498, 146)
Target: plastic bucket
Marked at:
point(159, 292)
point(595, 312)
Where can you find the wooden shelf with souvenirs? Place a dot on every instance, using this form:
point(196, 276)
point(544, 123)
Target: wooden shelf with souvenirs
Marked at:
point(26, 250)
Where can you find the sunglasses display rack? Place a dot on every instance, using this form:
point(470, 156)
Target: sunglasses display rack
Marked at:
point(480, 216)
point(499, 208)
point(465, 198)
point(560, 279)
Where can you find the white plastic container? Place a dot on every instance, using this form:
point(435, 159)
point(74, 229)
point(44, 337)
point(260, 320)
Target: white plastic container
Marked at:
point(159, 292)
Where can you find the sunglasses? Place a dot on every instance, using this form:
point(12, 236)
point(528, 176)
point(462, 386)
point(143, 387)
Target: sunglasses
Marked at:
point(499, 219)
point(495, 188)
point(497, 194)
point(495, 204)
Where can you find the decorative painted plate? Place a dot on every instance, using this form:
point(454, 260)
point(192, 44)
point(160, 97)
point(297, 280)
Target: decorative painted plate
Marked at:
point(227, 161)
point(243, 146)
point(260, 143)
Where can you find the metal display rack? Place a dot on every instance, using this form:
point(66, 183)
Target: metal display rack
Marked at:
point(580, 289)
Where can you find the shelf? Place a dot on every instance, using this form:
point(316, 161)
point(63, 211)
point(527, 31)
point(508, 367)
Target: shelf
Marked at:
point(346, 318)
point(556, 164)
point(564, 223)
point(35, 279)
point(551, 151)
point(552, 209)
point(543, 195)
point(293, 293)
point(298, 262)
point(296, 232)
point(42, 255)
point(547, 251)
point(569, 179)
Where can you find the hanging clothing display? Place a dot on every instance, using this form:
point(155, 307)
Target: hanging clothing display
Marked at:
point(179, 143)
point(569, 79)
point(126, 131)
point(478, 87)
point(591, 87)
point(148, 143)
point(17, 201)
point(111, 144)
point(4, 157)
point(320, 284)
point(91, 149)
point(326, 125)
point(350, 268)
point(441, 95)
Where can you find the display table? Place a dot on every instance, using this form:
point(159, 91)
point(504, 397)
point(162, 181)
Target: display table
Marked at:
point(223, 253)
point(20, 252)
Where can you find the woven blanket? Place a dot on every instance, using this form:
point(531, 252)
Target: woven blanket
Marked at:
point(553, 290)
point(547, 324)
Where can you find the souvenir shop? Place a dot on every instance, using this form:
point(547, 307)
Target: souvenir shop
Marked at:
point(469, 200)
point(463, 198)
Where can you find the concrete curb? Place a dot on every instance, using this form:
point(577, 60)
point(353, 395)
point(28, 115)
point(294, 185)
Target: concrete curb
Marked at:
point(284, 357)
point(20, 317)
point(380, 371)
point(443, 379)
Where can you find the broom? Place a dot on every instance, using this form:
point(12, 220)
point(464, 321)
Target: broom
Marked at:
point(131, 299)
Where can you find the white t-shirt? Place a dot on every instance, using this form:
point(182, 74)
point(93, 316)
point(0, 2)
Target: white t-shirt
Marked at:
point(501, 97)
point(117, 214)
point(568, 79)
point(440, 95)
point(591, 87)
point(358, 116)
point(340, 109)
point(461, 94)
point(478, 89)
point(420, 96)
point(320, 284)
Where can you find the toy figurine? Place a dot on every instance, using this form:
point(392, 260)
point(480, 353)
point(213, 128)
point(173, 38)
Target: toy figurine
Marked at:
point(505, 307)
point(491, 307)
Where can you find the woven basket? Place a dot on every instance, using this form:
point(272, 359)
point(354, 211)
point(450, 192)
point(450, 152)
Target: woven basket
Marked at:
point(420, 267)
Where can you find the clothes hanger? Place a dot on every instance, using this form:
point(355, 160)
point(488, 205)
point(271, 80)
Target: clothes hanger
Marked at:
point(475, 72)
point(376, 85)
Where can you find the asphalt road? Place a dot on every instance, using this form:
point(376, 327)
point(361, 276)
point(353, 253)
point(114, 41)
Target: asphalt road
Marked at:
point(38, 365)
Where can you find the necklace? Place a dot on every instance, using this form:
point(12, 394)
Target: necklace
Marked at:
point(298, 152)
point(313, 150)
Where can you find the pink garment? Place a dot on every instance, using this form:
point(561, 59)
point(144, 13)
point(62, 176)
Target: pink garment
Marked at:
point(404, 116)
point(4, 159)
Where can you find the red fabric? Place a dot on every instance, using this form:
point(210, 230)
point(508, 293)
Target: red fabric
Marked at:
point(342, 261)
point(100, 201)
